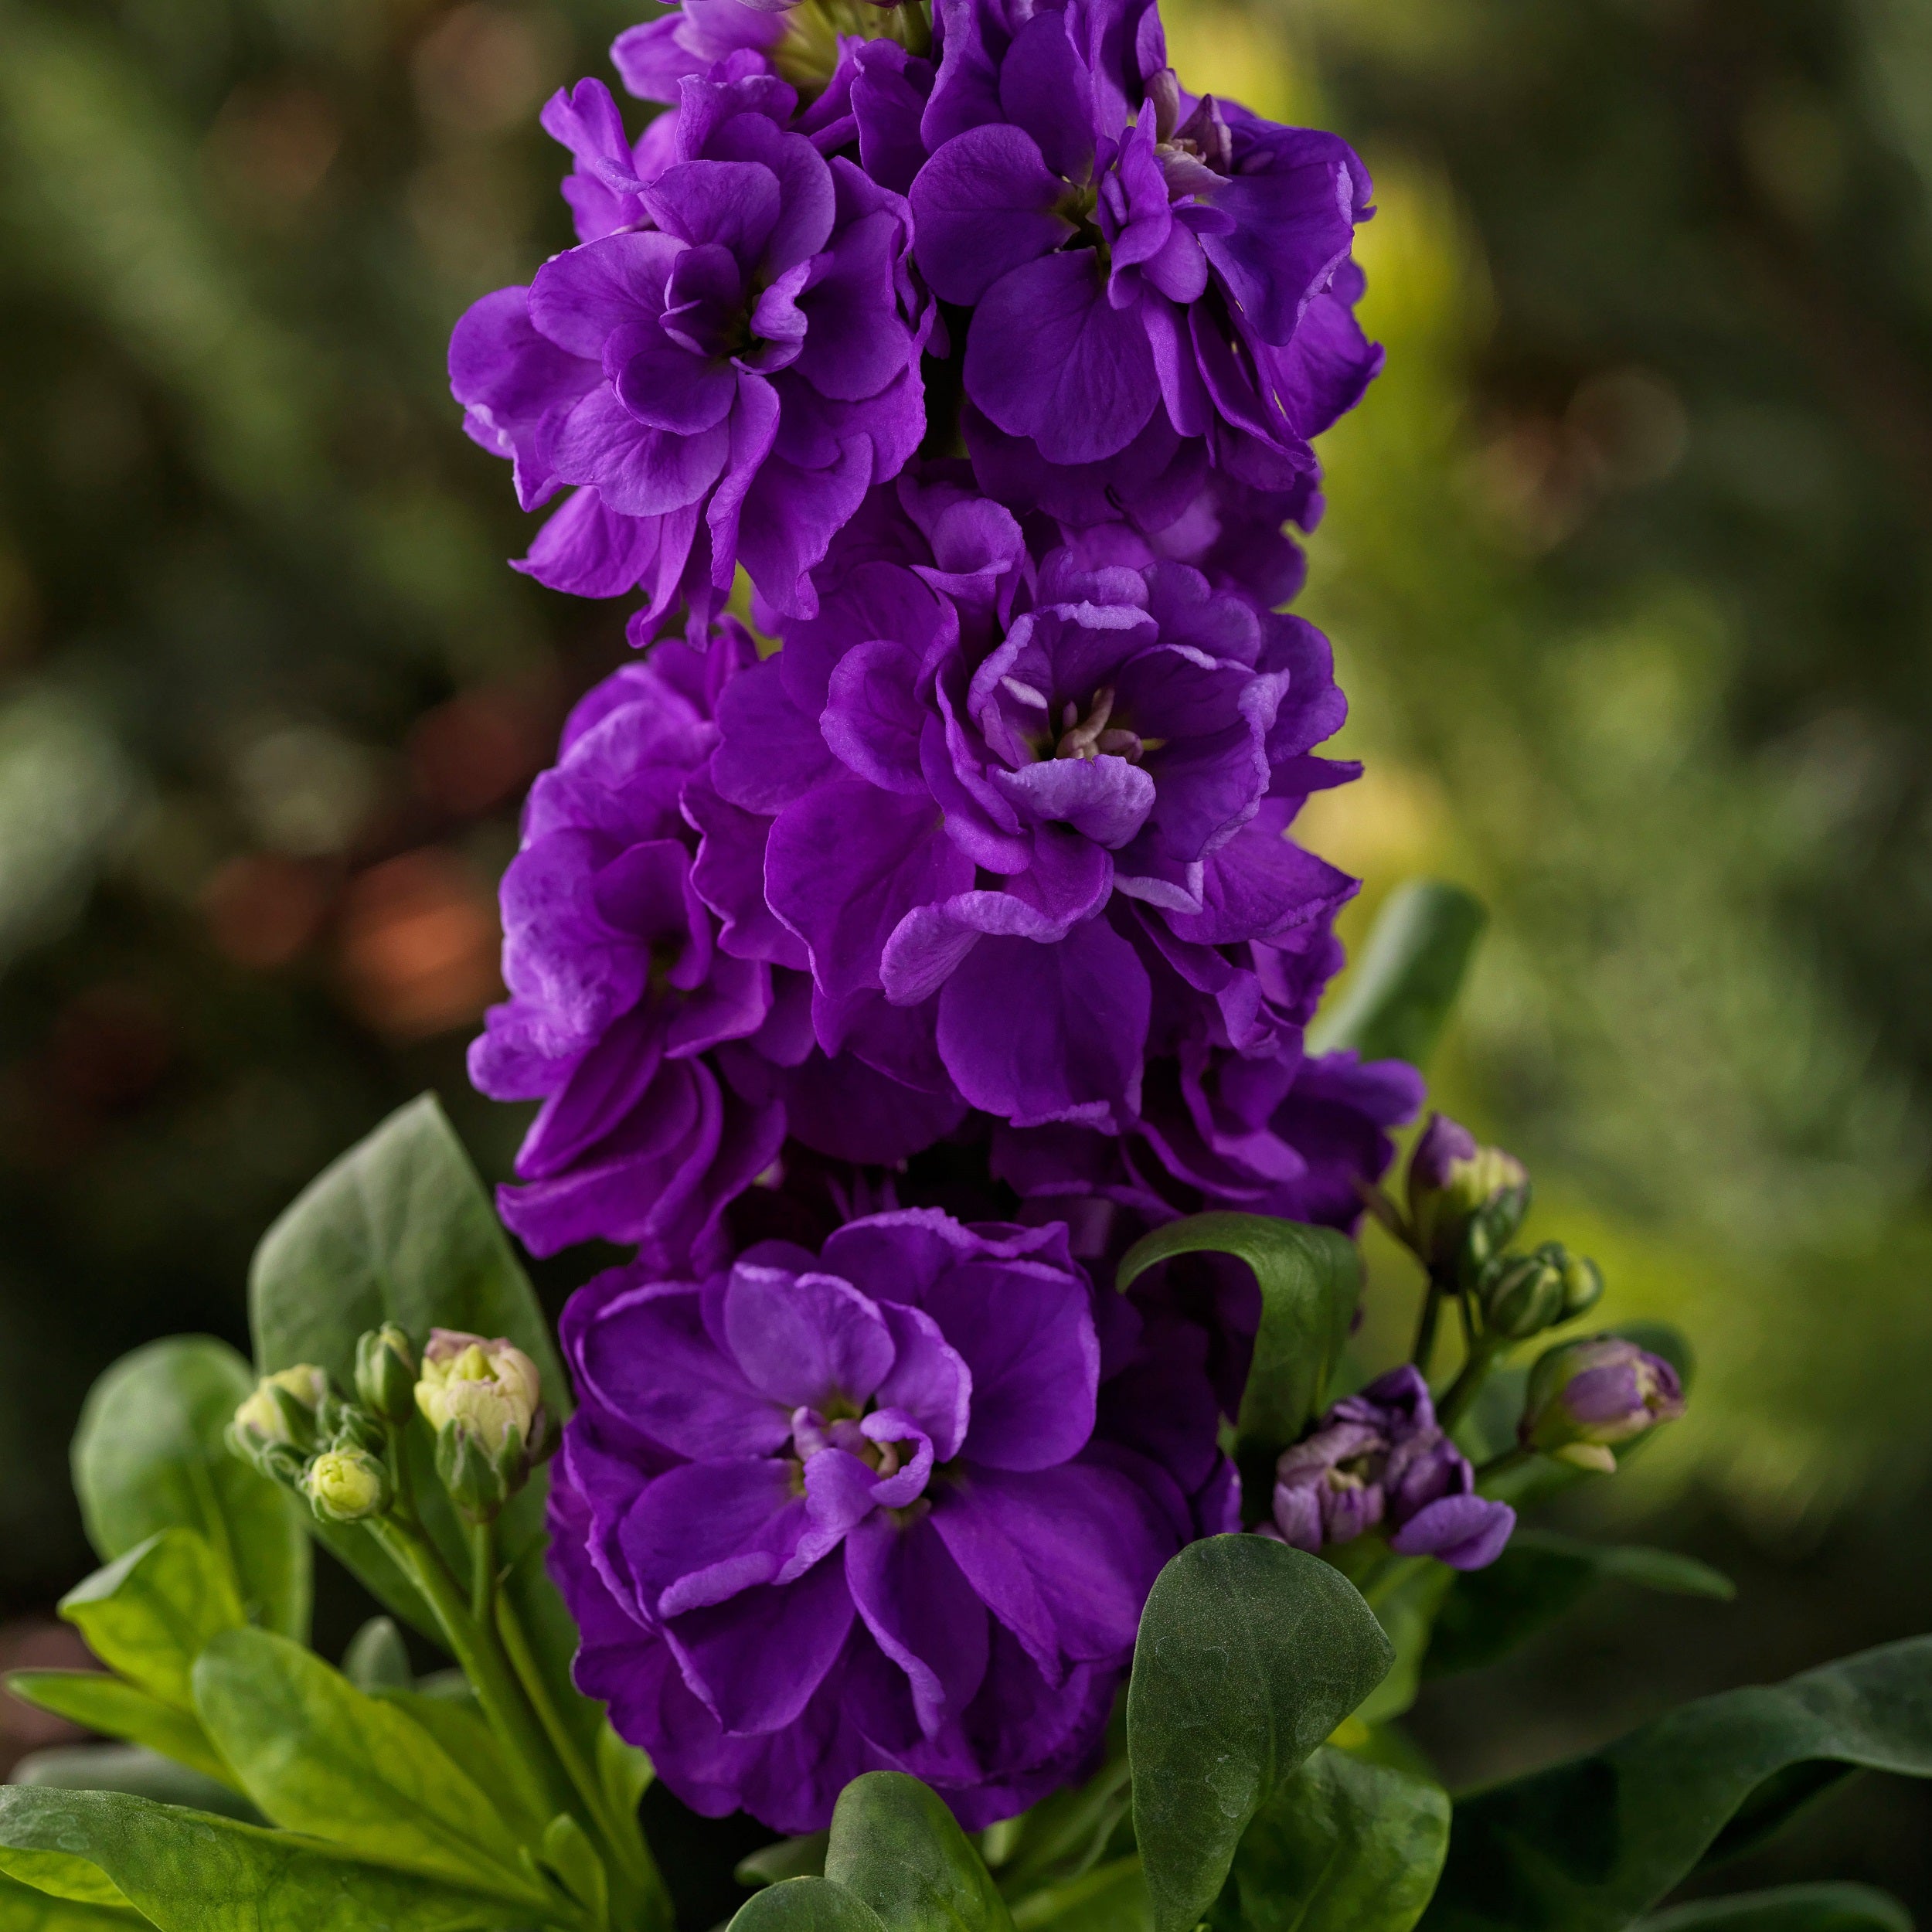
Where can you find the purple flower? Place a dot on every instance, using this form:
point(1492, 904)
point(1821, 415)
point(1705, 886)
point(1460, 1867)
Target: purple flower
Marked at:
point(1044, 801)
point(1378, 1459)
point(818, 1515)
point(1127, 249)
point(722, 374)
point(1583, 1396)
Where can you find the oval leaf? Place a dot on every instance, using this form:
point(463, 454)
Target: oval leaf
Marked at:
point(1344, 1846)
point(150, 1614)
point(895, 1845)
point(189, 1872)
point(806, 1905)
point(318, 1756)
point(1589, 1845)
point(1790, 1908)
point(149, 1455)
point(1310, 1279)
point(1249, 1653)
point(1394, 1005)
point(105, 1704)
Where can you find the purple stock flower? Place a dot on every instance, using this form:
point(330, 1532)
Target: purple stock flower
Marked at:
point(722, 372)
point(1379, 1460)
point(1035, 804)
point(1127, 249)
point(1583, 1396)
point(819, 1516)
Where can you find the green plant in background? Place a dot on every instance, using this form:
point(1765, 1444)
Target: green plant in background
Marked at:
point(1255, 1778)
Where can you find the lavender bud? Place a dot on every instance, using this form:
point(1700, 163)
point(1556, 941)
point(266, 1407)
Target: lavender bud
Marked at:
point(1459, 1191)
point(1584, 1396)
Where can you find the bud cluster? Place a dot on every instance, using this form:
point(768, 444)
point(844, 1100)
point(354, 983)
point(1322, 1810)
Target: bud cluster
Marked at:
point(483, 1399)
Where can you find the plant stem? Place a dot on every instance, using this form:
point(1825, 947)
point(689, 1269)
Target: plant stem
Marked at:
point(1501, 1465)
point(483, 1573)
point(1426, 1327)
point(1467, 1385)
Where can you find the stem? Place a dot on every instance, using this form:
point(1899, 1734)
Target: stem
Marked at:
point(1501, 1465)
point(483, 1663)
point(621, 1834)
point(1390, 1578)
point(483, 1573)
point(1467, 1385)
point(1426, 1327)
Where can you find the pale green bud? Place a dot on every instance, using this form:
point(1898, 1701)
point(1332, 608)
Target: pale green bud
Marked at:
point(1462, 1192)
point(346, 1485)
point(281, 1414)
point(485, 1400)
point(385, 1373)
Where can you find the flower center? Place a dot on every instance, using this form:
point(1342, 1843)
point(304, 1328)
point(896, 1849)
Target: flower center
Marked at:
point(808, 55)
point(1091, 736)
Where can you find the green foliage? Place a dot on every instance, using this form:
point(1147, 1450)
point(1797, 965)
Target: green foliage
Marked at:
point(1112, 1898)
point(105, 1704)
point(148, 1615)
point(895, 1845)
point(133, 1768)
point(807, 1905)
point(1344, 1846)
point(1250, 1655)
point(149, 1455)
point(1790, 1908)
point(1539, 1577)
point(1310, 1279)
point(189, 1872)
point(377, 1659)
point(1404, 986)
point(1588, 1845)
point(24, 1909)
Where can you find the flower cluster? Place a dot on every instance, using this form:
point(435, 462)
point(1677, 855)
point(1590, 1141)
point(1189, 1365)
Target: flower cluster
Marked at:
point(886, 964)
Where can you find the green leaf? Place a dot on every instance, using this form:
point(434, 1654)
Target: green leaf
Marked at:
point(1407, 1612)
point(1310, 1279)
point(377, 1659)
point(622, 1770)
point(1540, 1576)
point(24, 1909)
point(1249, 1653)
point(1344, 1846)
point(149, 1455)
point(189, 1871)
point(1790, 1908)
point(567, 1852)
point(149, 1614)
point(1589, 1845)
point(806, 1905)
point(320, 1756)
point(129, 1767)
point(1113, 1898)
point(791, 1857)
point(1393, 1005)
point(895, 1845)
point(106, 1704)
point(1064, 1835)
point(458, 1726)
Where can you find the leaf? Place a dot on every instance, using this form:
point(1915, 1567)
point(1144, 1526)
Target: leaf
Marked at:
point(1111, 1899)
point(148, 1614)
point(1790, 1908)
point(458, 1726)
point(1407, 1612)
point(1589, 1845)
point(105, 1704)
point(24, 1909)
point(806, 1905)
point(189, 1871)
point(1249, 1653)
point(129, 1767)
point(149, 1455)
point(568, 1853)
point(377, 1659)
point(1540, 1576)
point(622, 1770)
point(1344, 1846)
point(1066, 1835)
point(1310, 1279)
point(789, 1858)
point(896, 1846)
point(320, 1756)
point(1393, 1005)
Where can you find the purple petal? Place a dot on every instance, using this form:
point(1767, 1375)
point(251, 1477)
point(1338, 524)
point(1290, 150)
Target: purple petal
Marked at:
point(705, 1531)
point(805, 1340)
point(929, 1380)
point(1044, 88)
point(1466, 1532)
point(873, 718)
point(734, 203)
point(640, 472)
point(581, 297)
point(1104, 799)
point(922, 1613)
point(982, 206)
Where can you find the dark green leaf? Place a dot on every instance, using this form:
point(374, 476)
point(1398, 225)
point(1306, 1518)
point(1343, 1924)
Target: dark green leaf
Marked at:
point(377, 1659)
point(458, 1725)
point(1250, 1655)
point(791, 1857)
point(105, 1704)
point(896, 1846)
point(1310, 1279)
point(1344, 1846)
point(1113, 1898)
point(129, 1767)
point(1790, 1908)
point(189, 1871)
point(1589, 1845)
point(806, 1905)
point(24, 1909)
point(320, 1756)
point(149, 1455)
point(149, 1614)
point(1539, 1577)
point(1394, 1004)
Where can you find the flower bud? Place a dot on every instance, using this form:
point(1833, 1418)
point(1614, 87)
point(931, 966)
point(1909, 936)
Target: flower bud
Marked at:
point(281, 1415)
point(346, 1485)
point(1459, 1191)
point(485, 1400)
point(385, 1373)
point(1584, 1396)
point(1583, 1286)
point(1527, 1295)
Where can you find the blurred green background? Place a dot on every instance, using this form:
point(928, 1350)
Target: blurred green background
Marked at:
point(1626, 561)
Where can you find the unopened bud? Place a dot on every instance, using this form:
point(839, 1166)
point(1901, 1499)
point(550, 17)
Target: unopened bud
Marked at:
point(485, 1400)
point(281, 1415)
point(1583, 1286)
point(1583, 1396)
point(346, 1485)
point(1527, 1294)
point(385, 1373)
point(1460, 1193)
